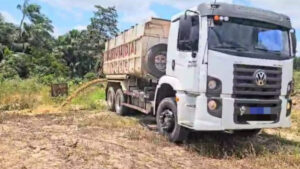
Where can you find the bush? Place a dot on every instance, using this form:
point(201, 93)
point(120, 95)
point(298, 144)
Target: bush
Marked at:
point(15, 64)
point(90, 76)
point(1, 78)
point(48, 80)
point(75, 81)
point(7, 71)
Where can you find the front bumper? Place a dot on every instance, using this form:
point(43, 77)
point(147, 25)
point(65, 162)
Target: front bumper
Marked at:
point(193, 114)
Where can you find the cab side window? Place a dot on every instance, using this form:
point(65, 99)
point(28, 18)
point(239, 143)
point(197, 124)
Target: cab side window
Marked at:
point(188, 38)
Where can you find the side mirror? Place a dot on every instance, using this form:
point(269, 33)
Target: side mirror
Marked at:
point(294, 41)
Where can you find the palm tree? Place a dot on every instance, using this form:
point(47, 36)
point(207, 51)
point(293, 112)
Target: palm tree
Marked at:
point(23, 9)
point(36, 32)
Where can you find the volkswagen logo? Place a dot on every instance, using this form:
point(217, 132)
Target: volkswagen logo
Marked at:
point(260, 78)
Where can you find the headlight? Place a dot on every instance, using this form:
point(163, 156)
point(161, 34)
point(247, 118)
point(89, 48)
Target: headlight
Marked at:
point(214, 87)
point(212, 105)
point(212, 84)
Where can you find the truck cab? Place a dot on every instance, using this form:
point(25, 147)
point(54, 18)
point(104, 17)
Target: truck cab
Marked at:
point(215, 67)
point(230, 67)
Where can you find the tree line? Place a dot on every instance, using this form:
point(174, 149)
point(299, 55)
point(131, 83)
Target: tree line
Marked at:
point(30, 50)
point(297, 63)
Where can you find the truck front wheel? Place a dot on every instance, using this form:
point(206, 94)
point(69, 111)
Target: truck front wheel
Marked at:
point(167, 123)
point(110, 97)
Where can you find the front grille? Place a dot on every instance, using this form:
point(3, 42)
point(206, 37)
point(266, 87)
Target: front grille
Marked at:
point(245, 86)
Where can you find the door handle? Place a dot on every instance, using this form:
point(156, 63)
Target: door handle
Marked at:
point(194, 54)
point(173, 65)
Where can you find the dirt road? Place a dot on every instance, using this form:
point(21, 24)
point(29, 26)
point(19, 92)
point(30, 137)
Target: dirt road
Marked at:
point(103, 140)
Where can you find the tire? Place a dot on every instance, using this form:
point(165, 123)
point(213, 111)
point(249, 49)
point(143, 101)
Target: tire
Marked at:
point(111, 98)
point(167, 122)
point(120, 110)
point(156, 60)
point(247, 133)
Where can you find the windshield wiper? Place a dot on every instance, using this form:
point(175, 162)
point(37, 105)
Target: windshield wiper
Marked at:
point(266, 50)
point(238, 48)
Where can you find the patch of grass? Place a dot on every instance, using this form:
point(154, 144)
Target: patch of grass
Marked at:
point(297, 80)
point(92, 98)
point(296, 122)
point(23, 94)
point(272, 144)
point(222, 145)
point(17, 94)
point(295, 129)
point(134, 134)
point(108, 120)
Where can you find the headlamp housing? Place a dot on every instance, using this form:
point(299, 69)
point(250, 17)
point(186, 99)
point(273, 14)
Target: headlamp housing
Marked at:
point(214, 87)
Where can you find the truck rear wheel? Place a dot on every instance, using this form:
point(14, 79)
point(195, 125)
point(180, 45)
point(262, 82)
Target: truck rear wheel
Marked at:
point(111, 98)
point(120, 99)
point(167, 122)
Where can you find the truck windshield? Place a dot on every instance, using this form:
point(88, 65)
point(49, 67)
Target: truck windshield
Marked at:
point(250, 38)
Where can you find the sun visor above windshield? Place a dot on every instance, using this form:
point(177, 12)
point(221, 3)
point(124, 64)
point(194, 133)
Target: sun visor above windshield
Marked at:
point(238, 11)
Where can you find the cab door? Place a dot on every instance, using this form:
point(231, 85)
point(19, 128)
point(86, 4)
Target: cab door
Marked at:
point(184, 56)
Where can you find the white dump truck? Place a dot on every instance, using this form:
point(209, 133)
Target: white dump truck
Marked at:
point(215, 67)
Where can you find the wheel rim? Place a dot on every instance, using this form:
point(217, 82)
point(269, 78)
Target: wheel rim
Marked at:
point(167, 121)
point(160, 62)
point(118, 103)
point(110, 99)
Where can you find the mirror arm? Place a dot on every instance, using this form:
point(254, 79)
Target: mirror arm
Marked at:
point(195, 12)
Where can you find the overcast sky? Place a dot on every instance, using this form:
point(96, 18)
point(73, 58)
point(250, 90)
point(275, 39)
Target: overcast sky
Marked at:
point(75, 14)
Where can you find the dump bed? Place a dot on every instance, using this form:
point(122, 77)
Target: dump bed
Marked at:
point(125, 54)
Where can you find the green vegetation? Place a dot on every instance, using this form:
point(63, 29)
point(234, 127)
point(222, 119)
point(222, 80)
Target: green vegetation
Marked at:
point(91, 99)
point(297, 63)
point(297, 80)
point(18, 94)
point(29, 50)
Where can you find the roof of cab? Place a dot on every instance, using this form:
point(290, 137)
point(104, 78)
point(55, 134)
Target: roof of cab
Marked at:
point(238, 11)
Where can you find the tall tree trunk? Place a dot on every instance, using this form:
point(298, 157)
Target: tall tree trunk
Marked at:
point(21, 25)
point(23, 10)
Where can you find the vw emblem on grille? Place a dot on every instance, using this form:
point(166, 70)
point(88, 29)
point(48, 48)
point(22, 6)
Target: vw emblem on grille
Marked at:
point(260, 78)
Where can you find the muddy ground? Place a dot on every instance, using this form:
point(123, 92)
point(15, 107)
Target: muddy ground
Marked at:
point(86, 139)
